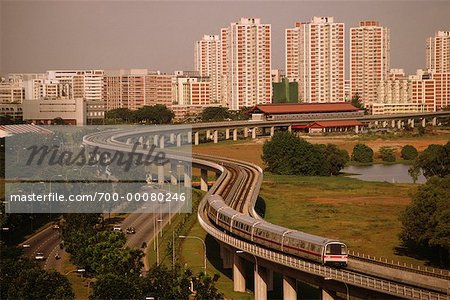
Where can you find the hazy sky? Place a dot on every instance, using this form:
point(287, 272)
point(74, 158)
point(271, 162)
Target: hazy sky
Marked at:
point(38, 35)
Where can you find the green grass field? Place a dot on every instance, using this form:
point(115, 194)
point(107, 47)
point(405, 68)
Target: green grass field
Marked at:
point(365, 215)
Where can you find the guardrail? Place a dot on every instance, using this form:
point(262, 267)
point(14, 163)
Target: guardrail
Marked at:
point(439, 273)
point(349, 277)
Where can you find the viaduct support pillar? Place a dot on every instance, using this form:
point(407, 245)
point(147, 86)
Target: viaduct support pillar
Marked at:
point(155, 140)
point(227, 133)
point(269, 274)
point(204, 180)
point(245, 132)
point(412, 123)
point(216, 136)
point(172, 138)
point(290, 128)
point(393, 123)
point(254, 132)
point(356, 129)
point(196, 138)
point(160, 174)
point(161, 142)
point(179, 140)
point(235, 134)
point(189, 137)
point(260, 283)
point(173, 172)
point(424, 122)
point(289, 288)
point(129, 141)
point(434, 121)
point(399, 124)
point(208, 134)
point(238, 274)
point(272, 131)
point(227, 257)
point(187, 175)
point(328, 295)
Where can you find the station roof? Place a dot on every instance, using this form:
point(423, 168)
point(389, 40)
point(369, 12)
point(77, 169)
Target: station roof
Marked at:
point(294, 108)
point(6, 130)
point(330, 124)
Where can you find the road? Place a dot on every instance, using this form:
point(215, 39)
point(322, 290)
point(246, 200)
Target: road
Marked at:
point(45, 241)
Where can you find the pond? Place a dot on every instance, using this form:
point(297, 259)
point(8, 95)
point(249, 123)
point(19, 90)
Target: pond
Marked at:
point(395, 173)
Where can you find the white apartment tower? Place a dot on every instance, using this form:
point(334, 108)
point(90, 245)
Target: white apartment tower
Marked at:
point(438, 52)
point(247, 63)
point(369, 59)
point(315, 58)
point(208, 62)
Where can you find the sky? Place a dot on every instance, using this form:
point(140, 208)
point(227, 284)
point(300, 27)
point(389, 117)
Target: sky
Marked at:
point(36, 36)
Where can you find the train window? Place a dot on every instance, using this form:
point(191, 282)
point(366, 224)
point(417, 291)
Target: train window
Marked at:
point(334, 249)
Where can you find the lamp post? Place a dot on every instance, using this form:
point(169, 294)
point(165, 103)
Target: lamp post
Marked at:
point(157, 242)
point(204, 246)
point(76, 270)
point(346, 286)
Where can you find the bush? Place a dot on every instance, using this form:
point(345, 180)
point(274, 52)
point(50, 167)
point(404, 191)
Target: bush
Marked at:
point(288, 154)
point(409, 152)
point(387, 154)
point(362, 153)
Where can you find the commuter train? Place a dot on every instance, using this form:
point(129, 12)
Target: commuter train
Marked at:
point(308, 246)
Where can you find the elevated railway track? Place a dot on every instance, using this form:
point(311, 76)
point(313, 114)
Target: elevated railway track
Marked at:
point(239, 183)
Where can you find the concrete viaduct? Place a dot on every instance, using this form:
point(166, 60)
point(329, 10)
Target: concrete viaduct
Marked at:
point(239, 183)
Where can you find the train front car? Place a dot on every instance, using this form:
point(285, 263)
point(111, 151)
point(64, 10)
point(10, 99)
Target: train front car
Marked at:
point(335, 254)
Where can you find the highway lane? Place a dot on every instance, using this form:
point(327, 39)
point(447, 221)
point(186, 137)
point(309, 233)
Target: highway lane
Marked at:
point(45, 241)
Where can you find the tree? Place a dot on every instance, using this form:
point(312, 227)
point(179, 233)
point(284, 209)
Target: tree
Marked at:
point(215, 113)
point(123, 114)
point(163, 283)
point(155, 114)
point(204, 286)
point(58, 121)
point(288, 154)
point(356, 101)
point(362, 153)
point(387, 154)
point(22, 278)
point(112, 286)
point(426, 222)
point(409, 152)
point(434, 161)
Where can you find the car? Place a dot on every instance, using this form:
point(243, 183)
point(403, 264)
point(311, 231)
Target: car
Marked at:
point(56, 226)
point(26, 245)
point(117, 228)
point(39, 256)
point(131, 230)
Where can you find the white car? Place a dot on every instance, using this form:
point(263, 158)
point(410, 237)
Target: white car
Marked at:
point(39, 256)
point(117, 228)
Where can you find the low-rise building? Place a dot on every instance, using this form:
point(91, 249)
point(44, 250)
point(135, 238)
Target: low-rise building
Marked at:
point(44, 111)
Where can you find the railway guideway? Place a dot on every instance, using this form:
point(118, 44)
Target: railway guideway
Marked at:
point(384, 283)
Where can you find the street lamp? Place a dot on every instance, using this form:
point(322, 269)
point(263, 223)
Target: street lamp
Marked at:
point(346, 286)
point(157, 243)
point(76, 270)
point(204, 246)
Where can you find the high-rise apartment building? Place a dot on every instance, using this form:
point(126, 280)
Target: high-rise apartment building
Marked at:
point(246, 63)
point(438, 52)
point(315, 57)
point(208, 62)
point(369, 59)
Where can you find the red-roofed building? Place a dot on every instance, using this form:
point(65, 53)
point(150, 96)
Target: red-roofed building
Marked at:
point(296, 111)
point(330, 126)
